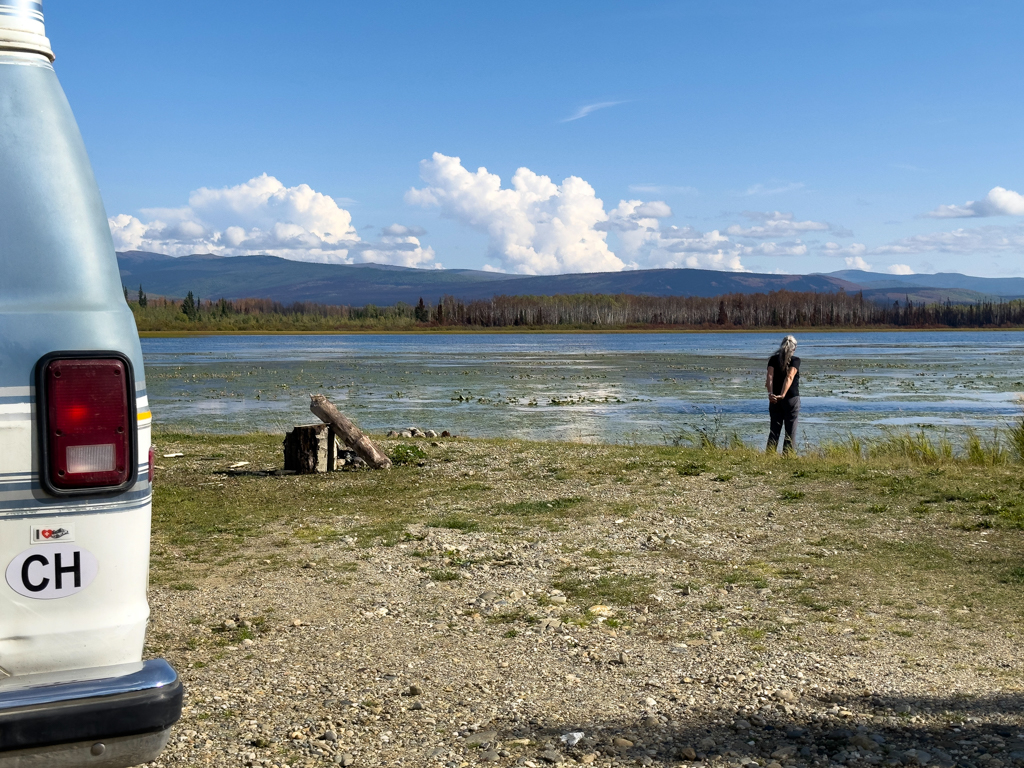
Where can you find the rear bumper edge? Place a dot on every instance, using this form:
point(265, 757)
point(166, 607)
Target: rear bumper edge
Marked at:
point(147, 700)
point(109, 753)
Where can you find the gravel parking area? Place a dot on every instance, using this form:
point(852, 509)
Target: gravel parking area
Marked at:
point(697, 614)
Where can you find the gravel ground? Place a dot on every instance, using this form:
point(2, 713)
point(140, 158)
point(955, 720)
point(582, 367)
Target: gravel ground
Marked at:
point(670, 630)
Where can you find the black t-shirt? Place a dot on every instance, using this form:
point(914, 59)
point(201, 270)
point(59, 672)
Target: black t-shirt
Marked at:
point(779, 376)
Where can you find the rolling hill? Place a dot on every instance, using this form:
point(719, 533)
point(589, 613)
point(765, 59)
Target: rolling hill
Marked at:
point(271, 277)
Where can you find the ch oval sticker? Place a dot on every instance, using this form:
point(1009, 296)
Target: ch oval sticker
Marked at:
point(51, 571)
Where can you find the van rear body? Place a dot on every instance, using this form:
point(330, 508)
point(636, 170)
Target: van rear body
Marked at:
point(75, 490)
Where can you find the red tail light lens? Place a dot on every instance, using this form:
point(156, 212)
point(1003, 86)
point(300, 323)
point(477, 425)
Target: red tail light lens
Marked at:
point(89, 423)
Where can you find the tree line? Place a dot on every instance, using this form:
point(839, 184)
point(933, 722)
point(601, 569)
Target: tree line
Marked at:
point(778, 309)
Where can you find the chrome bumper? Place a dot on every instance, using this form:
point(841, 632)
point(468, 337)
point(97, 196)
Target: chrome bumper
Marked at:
point(106, 715)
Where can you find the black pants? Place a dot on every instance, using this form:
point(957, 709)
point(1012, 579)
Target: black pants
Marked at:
point(783, 413)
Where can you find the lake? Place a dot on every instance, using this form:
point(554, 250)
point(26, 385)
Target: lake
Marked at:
point(616, 387)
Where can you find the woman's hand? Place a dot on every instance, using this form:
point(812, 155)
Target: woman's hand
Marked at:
point(773, 399)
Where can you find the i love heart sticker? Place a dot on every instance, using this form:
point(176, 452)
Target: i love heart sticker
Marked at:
point(49, 533)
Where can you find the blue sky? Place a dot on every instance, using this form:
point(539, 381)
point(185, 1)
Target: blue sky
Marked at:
point(783, 137)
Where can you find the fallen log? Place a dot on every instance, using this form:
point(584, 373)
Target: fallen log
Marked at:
point(349, 433)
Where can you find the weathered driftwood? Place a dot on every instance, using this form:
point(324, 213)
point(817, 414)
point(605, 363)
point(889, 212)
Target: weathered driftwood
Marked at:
point(348, 432)
point(309, 449)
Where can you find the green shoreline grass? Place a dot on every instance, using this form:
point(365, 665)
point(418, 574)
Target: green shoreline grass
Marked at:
point(898, 523)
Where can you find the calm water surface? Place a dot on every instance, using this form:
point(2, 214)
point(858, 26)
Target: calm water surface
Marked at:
point(595, 387)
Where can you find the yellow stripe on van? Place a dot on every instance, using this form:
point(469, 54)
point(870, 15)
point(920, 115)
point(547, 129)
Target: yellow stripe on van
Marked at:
point(145, 415)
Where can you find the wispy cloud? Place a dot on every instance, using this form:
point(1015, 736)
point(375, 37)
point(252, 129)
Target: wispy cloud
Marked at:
point(590, 108)
point(662, 189)
point(768, 189)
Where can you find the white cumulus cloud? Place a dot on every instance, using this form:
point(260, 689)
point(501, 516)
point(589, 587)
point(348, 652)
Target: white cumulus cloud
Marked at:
point(536, 226)
point(899, 269)
point(263, 216)
point(998, 202)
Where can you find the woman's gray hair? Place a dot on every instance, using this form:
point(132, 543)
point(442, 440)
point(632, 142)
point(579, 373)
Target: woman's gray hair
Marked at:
point(786, 350)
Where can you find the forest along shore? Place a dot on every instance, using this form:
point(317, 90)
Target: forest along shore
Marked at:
point(758, 311)
point(521, 603)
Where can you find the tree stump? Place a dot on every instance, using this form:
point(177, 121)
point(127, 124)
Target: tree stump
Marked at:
point(310, 449)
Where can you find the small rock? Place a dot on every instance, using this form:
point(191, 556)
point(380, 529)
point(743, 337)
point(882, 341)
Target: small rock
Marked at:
point(651, 721)
point(414, 690)
point(706, 744)
point(490, 756)
point(430, 433)
point(774, 764)
point(622, 743)
point(330, 736)
point(600, 610)
point(248, 643)
point(481, 737)
point(558, 599)
point(344, 759)
point(741, 725)
point(588, 758)
point(229, 624)
point(688, 753)
point(784, 752)
point(551, 756)
point(488, 596)
point(417, 706)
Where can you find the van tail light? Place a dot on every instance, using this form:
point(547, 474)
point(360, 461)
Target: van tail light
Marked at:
point(87, 409)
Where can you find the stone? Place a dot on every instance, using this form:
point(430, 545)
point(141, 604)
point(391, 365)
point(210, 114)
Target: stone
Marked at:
point(229, 624)
point(622, 743)
point(600, 610)
point(774, 764)
point(344, 760)
point(481, 737)
point(651, 721)
point(330, 736)
point(863, 741)
point(588, 758)
point(417, 706)
point(784, 752)
point(688, 753)
point(558, 599)
point(707, 743)
point(415, 690)
point(430, 433)
point(488, 596)
point(741, 725)
point(551, 756)
point(490, 756)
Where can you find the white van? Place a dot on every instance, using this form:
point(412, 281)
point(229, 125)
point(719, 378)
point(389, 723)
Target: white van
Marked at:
point(75, 460)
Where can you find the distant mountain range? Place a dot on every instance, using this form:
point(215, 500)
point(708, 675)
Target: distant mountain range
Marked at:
point(271, 277)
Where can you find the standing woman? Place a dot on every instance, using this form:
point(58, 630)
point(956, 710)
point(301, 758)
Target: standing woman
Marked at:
point(783, 384)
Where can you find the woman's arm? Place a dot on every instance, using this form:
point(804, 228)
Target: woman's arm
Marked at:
point(768, 378)
point(788, 382)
